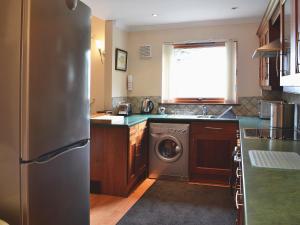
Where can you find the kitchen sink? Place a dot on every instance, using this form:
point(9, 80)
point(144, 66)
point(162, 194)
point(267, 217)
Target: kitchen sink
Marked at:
point(192, 116)
point(206, 116)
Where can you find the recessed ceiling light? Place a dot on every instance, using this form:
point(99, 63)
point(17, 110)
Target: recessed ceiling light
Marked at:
point(154, 15)
point(234, 7)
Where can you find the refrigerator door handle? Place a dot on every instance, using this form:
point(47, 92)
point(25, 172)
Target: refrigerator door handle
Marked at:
point(56, 153)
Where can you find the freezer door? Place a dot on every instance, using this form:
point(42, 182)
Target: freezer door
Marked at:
point(55, 111)
point(57, 192)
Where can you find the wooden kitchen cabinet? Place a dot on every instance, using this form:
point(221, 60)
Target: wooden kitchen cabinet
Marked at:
point(211, 147)
point(137, 152)
point(290, 53)
point(269, 68)
point(264, 62)
point(239, 196)
point(141, 154)
point(118, 158)
point(285, 38)
point(281, 21)
point(131, 173)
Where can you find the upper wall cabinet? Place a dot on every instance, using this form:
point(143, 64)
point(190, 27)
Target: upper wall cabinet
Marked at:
point(285, 38)
point(269, 35)
point(280, 64)
point(290, 40)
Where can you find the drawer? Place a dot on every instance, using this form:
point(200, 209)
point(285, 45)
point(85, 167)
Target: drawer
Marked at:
point(214, 127)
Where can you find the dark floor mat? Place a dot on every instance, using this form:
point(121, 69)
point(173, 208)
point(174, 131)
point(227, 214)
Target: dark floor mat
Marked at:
point(179, 203)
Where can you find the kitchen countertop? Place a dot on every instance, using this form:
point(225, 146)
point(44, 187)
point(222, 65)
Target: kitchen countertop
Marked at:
point(272, 196)
point(138, 118)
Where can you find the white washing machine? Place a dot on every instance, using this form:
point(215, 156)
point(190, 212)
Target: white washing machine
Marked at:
point(168, 151)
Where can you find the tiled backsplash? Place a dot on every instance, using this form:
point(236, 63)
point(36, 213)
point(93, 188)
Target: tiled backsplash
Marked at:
point(291, 98)
point(115, 103)
point(136, 103)
point(284, 96)
point(248, 106)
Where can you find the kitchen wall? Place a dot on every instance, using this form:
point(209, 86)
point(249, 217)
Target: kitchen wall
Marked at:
point(97, 68)
point(107, 91)
point(115, 81)
point(119, 77)
point(147, 73)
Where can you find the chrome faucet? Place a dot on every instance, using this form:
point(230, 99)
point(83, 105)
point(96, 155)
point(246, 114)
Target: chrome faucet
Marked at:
point(204, 110)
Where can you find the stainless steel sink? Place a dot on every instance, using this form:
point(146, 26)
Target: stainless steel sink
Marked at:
point(206, 116)
point(191, 116)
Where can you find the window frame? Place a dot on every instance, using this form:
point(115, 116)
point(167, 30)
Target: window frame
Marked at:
point(197, 100)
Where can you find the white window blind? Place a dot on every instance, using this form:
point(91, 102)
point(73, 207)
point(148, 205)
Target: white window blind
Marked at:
point(200, 72)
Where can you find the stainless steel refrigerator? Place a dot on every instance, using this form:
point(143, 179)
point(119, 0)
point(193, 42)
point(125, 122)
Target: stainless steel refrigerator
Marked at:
point(44, 112)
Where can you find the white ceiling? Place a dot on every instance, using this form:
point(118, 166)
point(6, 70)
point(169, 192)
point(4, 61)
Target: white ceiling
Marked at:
point(138, 13)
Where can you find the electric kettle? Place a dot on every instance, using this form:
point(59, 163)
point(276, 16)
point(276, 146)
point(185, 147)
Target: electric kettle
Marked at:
point(147, 106)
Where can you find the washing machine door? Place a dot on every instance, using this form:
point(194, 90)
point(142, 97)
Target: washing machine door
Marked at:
point(168, 148)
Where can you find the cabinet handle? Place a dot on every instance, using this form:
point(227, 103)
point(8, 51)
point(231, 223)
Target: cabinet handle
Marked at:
point(213, 128)
point(237, 204)
point(237, 151)
point(298, 51)
point(238, 175)
point(277, 64)
point(237, 159)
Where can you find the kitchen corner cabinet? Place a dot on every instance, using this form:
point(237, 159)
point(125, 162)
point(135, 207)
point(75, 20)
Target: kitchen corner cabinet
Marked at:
point(118, 158)
point(211, 147)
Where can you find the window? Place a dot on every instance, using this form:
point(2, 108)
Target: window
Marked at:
point(199, 72)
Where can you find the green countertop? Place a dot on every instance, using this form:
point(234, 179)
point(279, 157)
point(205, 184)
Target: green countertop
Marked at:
point(138, 118)
point(272, 196)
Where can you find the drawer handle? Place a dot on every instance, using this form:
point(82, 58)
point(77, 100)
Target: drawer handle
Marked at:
point(213, 128)
point(237, 204)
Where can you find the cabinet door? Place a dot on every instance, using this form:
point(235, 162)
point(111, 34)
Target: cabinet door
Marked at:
point(290, 55)
point(141, 150)
point(266, 72)
point(210, 152)
point(286, 19)
point(131, 173)
point(132, 148)
point(297, 41)
point(264, 62)
point(239, 197)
